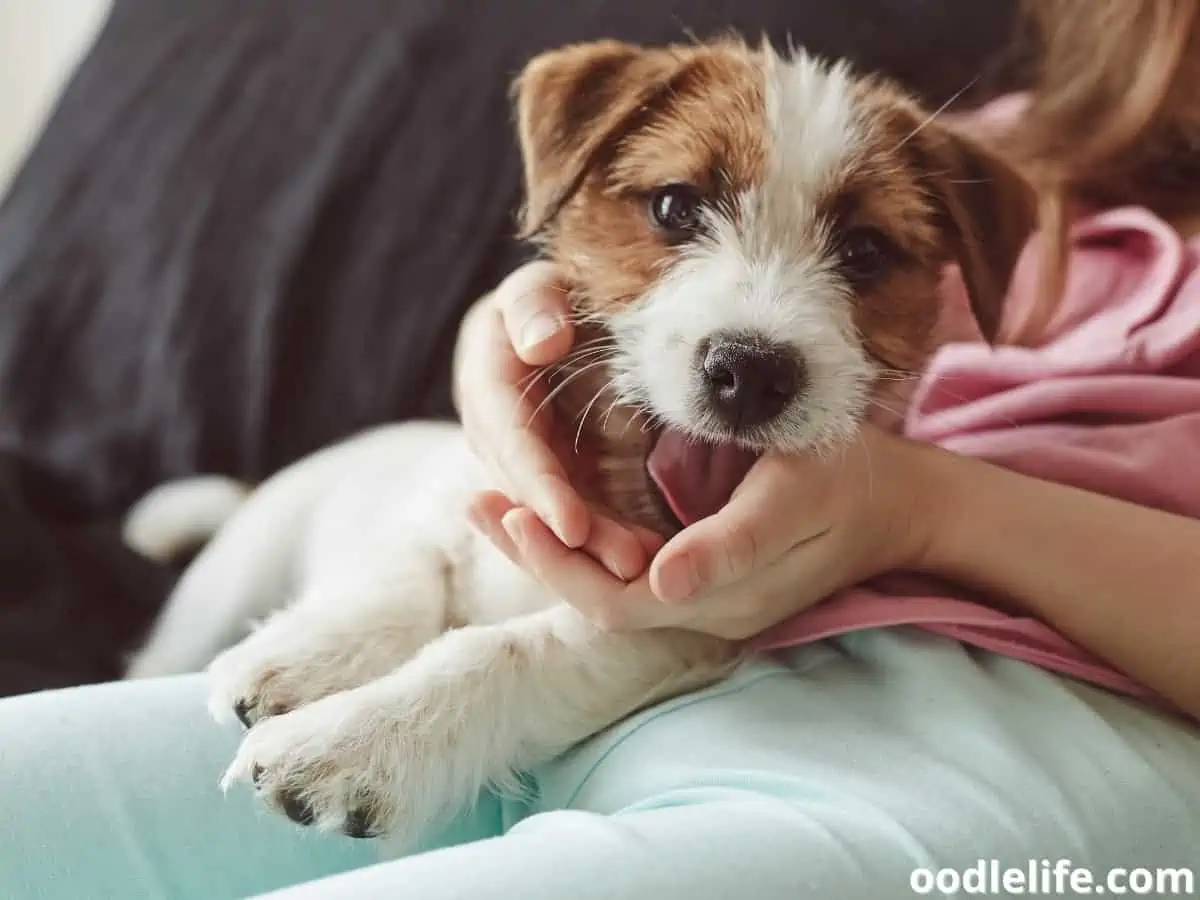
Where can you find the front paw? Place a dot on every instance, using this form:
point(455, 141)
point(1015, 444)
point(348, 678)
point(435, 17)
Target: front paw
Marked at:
point(366, 762)
point(294, 659)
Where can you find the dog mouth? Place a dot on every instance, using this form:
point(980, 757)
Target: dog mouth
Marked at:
point(695, 478)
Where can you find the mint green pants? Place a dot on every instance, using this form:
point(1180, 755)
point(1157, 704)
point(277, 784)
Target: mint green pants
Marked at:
point(857, 768)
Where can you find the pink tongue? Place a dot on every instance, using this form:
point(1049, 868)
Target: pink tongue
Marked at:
point(696, 479)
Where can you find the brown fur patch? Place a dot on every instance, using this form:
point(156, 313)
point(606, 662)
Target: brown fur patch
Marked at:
point(898, 313)
point(941, 199)
point(605, 125)
point(705, 128)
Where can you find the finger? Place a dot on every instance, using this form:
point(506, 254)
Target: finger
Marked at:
point(533, 305)
point(763, 520)
point(577, 578)
point(621, 551)
point(651, 541)
point(486, 513)
point(537, 478)
point(774, 593)
point(510, 431)
point(562, 509)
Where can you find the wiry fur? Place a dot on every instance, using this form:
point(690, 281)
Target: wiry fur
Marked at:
point(403, 663)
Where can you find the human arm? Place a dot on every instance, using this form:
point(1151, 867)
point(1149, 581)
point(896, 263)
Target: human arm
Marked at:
point(1118, 579)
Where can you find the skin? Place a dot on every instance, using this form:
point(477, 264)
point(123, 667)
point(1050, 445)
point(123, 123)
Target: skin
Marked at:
point(1116, 578)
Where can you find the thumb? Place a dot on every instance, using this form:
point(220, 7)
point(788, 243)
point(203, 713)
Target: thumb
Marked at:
point(537, 316)
point(766, 517)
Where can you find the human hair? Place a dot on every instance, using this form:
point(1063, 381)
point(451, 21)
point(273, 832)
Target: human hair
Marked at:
point(1113, 119)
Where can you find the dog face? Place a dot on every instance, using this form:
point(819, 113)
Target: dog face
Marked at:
point(760, 238)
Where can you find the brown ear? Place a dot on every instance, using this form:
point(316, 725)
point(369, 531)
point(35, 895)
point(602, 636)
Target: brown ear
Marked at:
point(991, 212)
point(572, 104)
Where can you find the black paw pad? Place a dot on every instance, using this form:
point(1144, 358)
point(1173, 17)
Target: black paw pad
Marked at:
point(359, 824)
point(296, 808)
point(241, 709)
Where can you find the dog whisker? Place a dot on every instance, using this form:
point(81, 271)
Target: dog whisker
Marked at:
point(569, 365)
point(879, 404)
point(583, 416)
point(937, 112)
point(533, 379)
point(561, 386)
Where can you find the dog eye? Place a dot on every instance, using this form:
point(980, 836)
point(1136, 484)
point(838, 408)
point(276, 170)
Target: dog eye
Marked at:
point(865, 253)
point(675, 208)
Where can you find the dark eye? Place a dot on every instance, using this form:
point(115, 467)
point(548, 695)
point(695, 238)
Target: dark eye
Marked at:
point(865, 253)
point(675, 208)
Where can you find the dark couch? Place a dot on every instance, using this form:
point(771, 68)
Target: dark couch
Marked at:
point(250, 229)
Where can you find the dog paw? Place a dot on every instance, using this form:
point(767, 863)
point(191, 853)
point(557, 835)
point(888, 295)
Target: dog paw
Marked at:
point(292, 660)
point(367, 762)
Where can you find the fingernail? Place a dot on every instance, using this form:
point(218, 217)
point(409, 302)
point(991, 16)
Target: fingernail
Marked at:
point(678, 579)
point(509, 523)
point(615, 569)
point(538, 330)
point(550, 488)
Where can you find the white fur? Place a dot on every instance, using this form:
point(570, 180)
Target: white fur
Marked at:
point(364, 690)
point(766, 269)
point(178, 516)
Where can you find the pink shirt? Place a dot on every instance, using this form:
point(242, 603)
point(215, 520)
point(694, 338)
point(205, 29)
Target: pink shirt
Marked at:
point(1109, 403)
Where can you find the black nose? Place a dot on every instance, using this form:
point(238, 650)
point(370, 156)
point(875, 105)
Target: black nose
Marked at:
point(749, 381)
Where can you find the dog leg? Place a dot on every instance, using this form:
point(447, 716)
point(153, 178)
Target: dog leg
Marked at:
point(475, 708)
point(340, 634)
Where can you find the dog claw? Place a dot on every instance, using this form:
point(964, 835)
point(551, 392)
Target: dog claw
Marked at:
point(241, 709)
point(296, 809)
point(358, 824)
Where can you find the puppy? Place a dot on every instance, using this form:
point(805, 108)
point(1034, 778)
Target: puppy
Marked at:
point(753, 241)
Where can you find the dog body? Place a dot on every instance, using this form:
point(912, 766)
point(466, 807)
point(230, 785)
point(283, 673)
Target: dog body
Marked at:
point(755, 246)
point(414, 662)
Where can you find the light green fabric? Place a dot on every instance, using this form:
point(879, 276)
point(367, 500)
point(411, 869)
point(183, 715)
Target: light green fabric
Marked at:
point(834, 775)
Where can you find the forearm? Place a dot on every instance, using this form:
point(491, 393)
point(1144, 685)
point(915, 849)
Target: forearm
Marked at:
point(1120, 580)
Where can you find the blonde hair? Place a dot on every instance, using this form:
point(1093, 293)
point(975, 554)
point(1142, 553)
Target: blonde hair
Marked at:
point(1114, 119)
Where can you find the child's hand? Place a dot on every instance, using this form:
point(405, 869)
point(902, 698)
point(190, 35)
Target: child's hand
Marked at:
point(798, 529)
point(505, 341)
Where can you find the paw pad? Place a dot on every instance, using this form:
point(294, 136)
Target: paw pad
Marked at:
point(242, 710)
point(296, 808)
point(359, 824)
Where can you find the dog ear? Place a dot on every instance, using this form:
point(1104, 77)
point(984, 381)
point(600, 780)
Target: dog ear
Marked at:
point(572, 104)
point(990, 213)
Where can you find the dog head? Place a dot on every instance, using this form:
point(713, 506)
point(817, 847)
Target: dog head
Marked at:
point(755, 239)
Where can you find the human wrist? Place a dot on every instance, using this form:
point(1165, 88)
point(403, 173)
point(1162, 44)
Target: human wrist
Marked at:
point(939, 486)
point(970, 504)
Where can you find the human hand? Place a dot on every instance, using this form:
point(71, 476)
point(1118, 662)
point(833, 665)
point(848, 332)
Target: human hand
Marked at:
point(504, 344)
point(798, 529)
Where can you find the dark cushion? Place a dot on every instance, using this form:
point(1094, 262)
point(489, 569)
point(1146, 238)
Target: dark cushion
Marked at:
point(250, 229)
